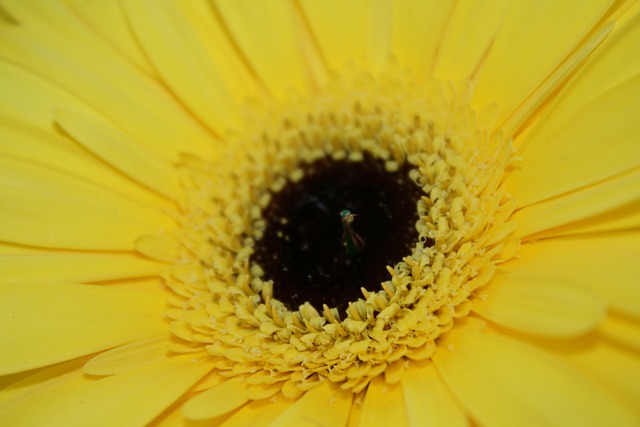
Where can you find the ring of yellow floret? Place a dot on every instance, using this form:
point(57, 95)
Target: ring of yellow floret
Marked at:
point(222, 304)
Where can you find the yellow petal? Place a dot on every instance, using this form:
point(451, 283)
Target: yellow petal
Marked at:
point(258, 413)
point(539, 306)
point(157, 246)
point(617, 370)
point(107, 19)
point(427, 401)
point(31, 383)
point(212, 379)
point(129, 356)
point(145, 284)
point(28, 98)
point(111, 86)
point(599, 199)
point(379, 35)
point(610, 66)
point(68, 267)
point(217, 401)
point(107, 402)
point(51, 15)
point(263, 391)
point(194, 58)
point(417, 30)
point(539, 35)
point(626, 218)
point(383, 405)
point(357, 32)
point(120, 151)
point(606, 264)
point(82, 23)
point(614, 369)
point(340, 29)
point(45, 324)
point(622, 331)
point(527, 112)
point(354, 415)
point(30, 142)
point(47, 17)
point(503, 382)
point(598, 142)
point(471, 28)
point(48, 207)
point(14, 249)
point(266, 34)
point(324, 405)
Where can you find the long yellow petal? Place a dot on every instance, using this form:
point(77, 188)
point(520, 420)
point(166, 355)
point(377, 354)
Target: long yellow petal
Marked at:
point(334, 402)
point(30, 142)
point(53, 16)
point(540, 306)
point(107, 19)
point(194, 58)
point(83, 267)
point(107, 402)
point(45, 324)
point(358, 32)
point(540, 35)
point(427, 401)
point(217, 401)
point(31, 383)
point(417, 28)
point(527, 112)
point(609, 67)
point(598, 142)
point(613, 368)
point(379, 35)
point(158, 247)
point(120, 151)
point(48, 207)
point(146, 284)
point(470, 31)
point(48, 17)
point(528, 386)
point(354, 416)
point(579, 205)
point(626, 218)
point(113, 87)
point(617, 370)
point(258, 412)
point(81, 22)
point(606, 264)
point(28, 98)
point(622, 331)
point(383, 405)
point(265, 32)
point(129, 356)
point(340, 29)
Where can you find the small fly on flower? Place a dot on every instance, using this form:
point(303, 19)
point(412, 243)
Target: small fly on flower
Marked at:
point(350, 239)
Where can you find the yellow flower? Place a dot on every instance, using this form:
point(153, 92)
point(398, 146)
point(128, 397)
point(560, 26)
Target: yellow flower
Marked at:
point(172, 179)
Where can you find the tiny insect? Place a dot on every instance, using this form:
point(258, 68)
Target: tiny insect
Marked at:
point(350, 239)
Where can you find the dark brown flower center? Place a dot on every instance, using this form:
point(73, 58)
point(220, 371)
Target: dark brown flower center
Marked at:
point(304, 249)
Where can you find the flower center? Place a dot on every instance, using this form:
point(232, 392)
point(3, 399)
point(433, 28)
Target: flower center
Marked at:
point(314, 255)
point(338, 236)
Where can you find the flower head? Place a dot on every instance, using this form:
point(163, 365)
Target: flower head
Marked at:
point(324, 212)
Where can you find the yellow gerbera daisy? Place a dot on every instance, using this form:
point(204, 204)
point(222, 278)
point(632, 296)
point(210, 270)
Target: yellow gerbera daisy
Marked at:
point(320, 213)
